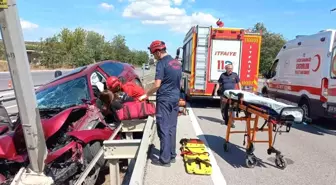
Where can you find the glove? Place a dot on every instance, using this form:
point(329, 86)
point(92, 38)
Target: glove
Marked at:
point(142, 97)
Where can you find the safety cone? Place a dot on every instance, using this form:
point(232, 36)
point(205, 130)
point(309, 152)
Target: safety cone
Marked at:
point(10, 84)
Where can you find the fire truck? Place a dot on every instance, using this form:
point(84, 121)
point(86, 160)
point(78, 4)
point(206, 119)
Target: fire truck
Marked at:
point(206, 51)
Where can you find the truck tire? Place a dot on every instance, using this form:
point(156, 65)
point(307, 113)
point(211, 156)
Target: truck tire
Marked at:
point(304, 104)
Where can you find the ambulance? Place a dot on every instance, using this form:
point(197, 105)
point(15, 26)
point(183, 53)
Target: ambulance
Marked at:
point(304, 72)
point(206, 51)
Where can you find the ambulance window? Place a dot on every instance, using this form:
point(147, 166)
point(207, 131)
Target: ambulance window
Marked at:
point(273, 68)
point(333, 64)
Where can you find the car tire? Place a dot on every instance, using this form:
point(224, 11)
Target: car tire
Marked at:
point(90, 151)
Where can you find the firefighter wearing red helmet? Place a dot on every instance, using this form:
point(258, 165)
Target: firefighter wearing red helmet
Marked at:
point(167, 87)
point(131, 89)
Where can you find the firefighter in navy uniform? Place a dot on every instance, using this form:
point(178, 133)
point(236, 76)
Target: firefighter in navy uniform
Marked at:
point(167, 87)
point(227, 81)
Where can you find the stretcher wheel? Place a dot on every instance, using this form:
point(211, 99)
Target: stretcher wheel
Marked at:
point(280, 162)
point(251, 161)
point(250, 150)
point(226, 147)
point(274, 128)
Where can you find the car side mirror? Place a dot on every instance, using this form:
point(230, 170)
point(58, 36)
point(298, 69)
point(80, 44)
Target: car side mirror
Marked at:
point(58, 73)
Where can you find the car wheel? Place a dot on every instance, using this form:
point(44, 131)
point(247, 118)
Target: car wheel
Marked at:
point(90, 151)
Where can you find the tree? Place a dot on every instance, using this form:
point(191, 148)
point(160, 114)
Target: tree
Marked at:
point(270, 46)
point(95, 44)
point(80, 47)
point(119, 48)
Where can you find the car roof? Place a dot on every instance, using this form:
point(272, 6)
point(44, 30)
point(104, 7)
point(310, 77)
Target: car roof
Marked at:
point(75, 73)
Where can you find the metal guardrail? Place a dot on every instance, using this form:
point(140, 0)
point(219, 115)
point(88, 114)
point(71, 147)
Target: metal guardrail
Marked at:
point(12, 89)
point(11, 96)
point(136, 149)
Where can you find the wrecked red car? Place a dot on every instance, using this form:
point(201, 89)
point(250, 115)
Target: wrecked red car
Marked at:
point(73, 126)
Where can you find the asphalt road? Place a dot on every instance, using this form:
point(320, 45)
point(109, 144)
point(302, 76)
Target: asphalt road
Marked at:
point(308, 149)
point(46, 76)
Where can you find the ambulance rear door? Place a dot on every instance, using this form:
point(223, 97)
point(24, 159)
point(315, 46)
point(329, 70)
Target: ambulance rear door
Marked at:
point(332, 82)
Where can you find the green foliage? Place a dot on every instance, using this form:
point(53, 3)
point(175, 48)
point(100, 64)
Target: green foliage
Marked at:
point(81, 47)
point(271, 45)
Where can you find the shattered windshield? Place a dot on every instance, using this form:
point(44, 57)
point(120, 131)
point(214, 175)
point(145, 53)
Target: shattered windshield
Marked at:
point(64, 95)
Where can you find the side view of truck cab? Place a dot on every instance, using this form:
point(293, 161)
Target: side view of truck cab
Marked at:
point(304, 72)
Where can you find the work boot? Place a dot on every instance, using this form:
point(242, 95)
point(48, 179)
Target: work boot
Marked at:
point(157, 162)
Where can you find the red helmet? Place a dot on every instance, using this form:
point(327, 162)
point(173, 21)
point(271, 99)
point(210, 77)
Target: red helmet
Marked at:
point(156, 45)
point(112, 82)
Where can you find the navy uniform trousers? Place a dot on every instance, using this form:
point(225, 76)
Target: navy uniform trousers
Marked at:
point(166, 123)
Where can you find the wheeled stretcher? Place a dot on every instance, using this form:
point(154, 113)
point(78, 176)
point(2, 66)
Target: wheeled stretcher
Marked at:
point(275, 114)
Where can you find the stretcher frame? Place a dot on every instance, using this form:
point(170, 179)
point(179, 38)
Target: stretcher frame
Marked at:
point(270, 123)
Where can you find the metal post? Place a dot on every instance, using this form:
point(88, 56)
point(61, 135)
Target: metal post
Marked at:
point(129, 136)
point(114, 172)
point(18, 64)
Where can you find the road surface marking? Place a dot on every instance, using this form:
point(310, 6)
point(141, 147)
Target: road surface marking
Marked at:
point(12, 106)
point(216, 176)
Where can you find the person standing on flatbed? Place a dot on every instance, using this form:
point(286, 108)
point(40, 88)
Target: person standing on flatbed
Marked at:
point(167, 85)
point(227, 81)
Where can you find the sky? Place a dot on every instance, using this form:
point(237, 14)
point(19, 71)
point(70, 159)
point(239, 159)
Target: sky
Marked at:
point(142, 21)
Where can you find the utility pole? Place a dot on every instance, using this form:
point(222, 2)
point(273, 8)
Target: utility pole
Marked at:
point(18, 64)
